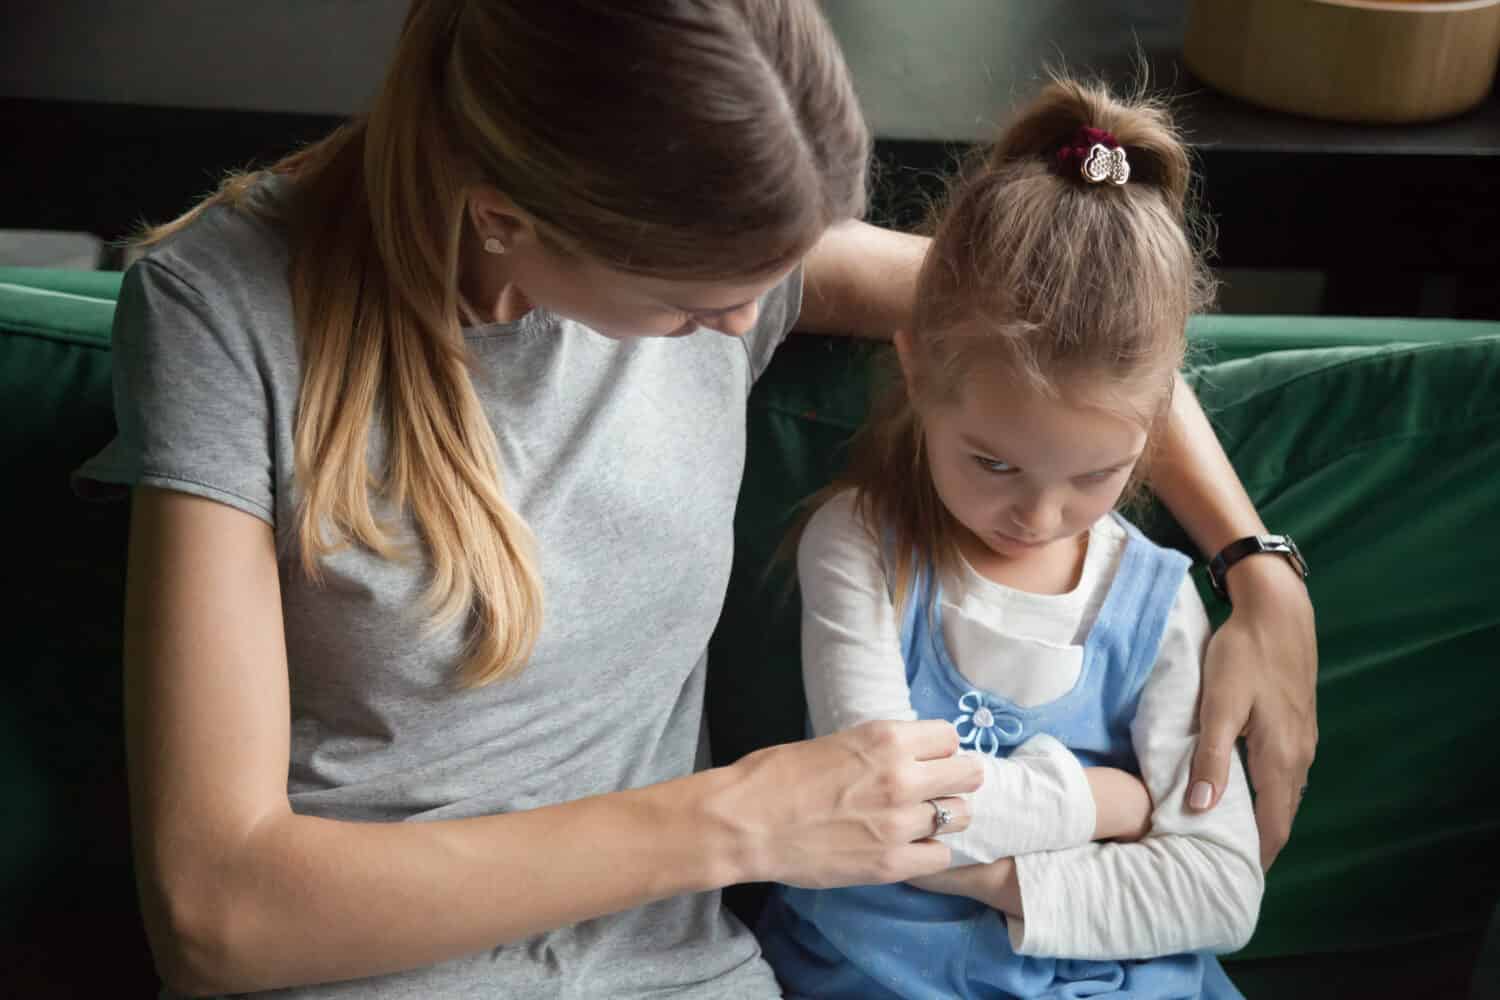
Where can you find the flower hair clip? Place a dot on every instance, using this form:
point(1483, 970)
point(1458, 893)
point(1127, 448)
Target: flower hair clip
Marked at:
point(1096, 156)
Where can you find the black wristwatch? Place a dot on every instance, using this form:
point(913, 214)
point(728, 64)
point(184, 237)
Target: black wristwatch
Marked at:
point(1254, 545)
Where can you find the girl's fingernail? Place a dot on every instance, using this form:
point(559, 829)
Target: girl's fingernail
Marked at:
point(1202, 795)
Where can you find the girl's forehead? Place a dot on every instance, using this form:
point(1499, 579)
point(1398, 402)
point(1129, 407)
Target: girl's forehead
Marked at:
point(1080, 389)
point(1016, 416)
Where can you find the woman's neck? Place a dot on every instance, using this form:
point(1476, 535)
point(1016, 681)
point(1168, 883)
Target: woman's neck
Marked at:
point(485, 287)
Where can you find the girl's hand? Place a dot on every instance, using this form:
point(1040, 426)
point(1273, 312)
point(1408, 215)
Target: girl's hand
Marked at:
point(1260, 680)
point(847, 809)
point(1122, 804)
point(995, 885)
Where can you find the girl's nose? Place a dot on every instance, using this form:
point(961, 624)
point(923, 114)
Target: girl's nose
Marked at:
point(1035, 518)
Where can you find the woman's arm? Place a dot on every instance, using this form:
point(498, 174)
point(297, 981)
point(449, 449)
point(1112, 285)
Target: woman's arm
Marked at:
point(239, 893)
point(1261, 674)
point(1260, 677)
point(1193, 883)
point(860, 280)
point(1039, 799)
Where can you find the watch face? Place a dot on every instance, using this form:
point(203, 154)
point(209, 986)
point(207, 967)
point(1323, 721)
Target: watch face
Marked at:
point(1283, 545)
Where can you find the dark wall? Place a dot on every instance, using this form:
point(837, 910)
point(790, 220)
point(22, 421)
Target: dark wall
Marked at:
point(324, 56)
point(949, 69)
point(319, 56)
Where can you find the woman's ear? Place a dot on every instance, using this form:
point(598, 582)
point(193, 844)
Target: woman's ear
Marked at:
point(496, 217)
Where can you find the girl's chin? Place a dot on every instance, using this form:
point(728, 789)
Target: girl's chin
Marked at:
point(1008, 545)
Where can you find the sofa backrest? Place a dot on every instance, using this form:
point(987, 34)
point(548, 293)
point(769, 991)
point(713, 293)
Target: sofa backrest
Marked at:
point(64, 844)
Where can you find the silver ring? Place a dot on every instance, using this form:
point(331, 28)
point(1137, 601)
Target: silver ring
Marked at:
point(940, 817)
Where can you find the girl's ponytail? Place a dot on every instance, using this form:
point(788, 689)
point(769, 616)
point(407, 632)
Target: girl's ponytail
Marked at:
point(1142, 127)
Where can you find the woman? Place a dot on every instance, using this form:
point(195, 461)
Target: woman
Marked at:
point(435, 449)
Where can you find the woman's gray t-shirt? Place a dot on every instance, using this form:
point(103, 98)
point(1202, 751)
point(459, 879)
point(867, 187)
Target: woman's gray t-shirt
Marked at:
point(624, 457)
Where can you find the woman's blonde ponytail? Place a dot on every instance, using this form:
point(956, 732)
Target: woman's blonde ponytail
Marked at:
point(396, 351)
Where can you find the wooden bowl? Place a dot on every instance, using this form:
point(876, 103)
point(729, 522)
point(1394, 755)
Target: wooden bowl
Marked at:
point(1350, 60)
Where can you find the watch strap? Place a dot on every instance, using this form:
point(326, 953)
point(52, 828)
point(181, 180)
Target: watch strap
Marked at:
point(1238, 549)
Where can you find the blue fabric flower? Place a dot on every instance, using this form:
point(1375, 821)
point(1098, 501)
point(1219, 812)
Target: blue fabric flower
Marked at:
point(981, 728)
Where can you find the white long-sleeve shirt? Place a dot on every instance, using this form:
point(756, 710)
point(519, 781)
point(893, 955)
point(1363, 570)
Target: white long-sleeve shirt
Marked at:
point(1193, 884)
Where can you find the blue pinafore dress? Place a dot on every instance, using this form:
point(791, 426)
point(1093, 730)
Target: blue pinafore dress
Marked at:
point(893, 941)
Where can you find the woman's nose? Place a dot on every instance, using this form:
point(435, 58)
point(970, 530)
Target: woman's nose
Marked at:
point(736, 322)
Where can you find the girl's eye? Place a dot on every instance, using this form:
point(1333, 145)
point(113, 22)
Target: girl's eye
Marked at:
point(993, 465)
point(1103, 476)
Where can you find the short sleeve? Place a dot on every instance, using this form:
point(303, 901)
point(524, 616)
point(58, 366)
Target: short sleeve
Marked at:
point(779, 309)
point(192, 402)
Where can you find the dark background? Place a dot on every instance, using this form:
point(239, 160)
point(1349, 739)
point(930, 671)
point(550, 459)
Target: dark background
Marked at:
point(124, 112)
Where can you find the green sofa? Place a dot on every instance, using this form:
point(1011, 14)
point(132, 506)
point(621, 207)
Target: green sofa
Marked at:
point(1375, 442)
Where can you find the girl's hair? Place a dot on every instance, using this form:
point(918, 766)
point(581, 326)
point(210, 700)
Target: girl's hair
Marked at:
point(1059, 283)
point(685, 139)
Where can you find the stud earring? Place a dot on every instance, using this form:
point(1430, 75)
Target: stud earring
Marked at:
point(492, 245)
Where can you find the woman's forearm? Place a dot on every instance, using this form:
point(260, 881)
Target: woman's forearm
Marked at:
point(861, 280)
point(304, 899)
point(299, 899)
point(1195, 480)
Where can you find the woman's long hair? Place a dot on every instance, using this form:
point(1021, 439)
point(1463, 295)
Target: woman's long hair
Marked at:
point(683, 139)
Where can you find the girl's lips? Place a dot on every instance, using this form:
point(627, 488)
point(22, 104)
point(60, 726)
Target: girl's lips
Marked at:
point(1019, 543)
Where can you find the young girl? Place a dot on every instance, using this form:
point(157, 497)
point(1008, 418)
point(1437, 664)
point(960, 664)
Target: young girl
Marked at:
point(969, 567)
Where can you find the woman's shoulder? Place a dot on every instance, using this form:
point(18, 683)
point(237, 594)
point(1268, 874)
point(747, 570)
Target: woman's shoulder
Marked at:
point(215, 292)
point(235, 253)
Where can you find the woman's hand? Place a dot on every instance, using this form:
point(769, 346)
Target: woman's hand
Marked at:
point(847, 809)
point(1260, 680)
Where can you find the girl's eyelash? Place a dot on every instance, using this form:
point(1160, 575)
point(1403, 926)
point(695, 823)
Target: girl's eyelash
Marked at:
point(993, 464)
